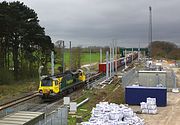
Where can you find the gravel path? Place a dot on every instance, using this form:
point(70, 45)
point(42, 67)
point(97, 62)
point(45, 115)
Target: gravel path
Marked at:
point(169, 115)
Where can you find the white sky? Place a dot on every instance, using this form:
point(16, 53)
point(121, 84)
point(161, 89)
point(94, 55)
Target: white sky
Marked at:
point(98, 22)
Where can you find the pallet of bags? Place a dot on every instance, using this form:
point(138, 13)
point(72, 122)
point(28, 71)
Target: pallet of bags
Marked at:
point(149, 107)
point(113, 114)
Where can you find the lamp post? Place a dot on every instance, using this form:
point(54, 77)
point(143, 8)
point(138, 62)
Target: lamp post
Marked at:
point(150, 31)
point(70, 56)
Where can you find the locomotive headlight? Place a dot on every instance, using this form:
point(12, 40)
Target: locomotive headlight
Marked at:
point(40, 91)
point(51, 91)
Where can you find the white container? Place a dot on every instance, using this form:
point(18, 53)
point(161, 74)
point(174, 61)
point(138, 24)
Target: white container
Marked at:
point(73, 106)
point(151, 101)
point(113, 114)
point(86, 123)
point(145, 111)
point(128, 113)
point(151, 106)
point(122, 123)
point(96, 113)
point(154, 111)
point(66, 100)
point(143, 105)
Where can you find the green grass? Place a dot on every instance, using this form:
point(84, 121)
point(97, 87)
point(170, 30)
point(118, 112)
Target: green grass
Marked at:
point(71, 120)
point(95, 96)
point(95, 57)
point(85, 59)
point(16, 90)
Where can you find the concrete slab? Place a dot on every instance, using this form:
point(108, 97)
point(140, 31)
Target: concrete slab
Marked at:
point(16, 122)
point(16, 119)
point(25, 117)
point(22, 118)
point(9, 124)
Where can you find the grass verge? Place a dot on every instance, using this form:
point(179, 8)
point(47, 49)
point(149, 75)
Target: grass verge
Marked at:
point(9, 92)
point(112, 93)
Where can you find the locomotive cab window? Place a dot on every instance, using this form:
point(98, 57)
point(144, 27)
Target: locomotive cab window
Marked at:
point(56, 83)
point(68, 77)
point(46, 82)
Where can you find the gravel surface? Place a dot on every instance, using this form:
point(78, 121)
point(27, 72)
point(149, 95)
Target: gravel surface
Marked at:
point(169, 115)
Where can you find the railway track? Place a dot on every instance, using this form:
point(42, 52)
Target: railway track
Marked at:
point(50, 106)
point(35, 94)
point(94, 79)
point(17, 101)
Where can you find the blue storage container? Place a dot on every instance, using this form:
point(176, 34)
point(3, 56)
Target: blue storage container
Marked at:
point(134, 95)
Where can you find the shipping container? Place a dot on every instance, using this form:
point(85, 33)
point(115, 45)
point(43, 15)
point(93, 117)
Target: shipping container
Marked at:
point(134, 95)
point(102, 67)
point(120, 62)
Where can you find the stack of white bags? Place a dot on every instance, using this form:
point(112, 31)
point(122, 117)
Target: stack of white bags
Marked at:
point(113, 114)
point(149, 107)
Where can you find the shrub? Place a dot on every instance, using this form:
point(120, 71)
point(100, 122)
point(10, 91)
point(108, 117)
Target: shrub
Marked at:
point(6, 76)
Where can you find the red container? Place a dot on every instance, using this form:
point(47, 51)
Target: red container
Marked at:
point(102, 67)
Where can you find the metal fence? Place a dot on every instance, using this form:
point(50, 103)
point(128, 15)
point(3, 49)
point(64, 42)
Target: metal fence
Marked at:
point(178, 64)
point(129, 76)
point(150, 79)
point(54, 115)
point(57, 117)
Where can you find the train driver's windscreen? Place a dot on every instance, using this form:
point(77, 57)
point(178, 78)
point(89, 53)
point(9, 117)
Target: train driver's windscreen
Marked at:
point(46, 82)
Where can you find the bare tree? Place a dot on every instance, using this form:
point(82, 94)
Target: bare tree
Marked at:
point(60, 50)
point(76, 57)
point(164, 49)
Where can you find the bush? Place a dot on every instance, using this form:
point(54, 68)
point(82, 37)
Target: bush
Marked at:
point(6, 76)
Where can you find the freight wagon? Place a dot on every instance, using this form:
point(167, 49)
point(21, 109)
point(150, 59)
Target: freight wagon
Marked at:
point(120, 62)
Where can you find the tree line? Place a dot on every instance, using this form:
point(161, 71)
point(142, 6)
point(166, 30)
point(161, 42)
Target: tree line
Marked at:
point(164, 49)
point(24, 46)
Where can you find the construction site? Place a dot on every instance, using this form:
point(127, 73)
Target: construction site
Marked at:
point(103, 62)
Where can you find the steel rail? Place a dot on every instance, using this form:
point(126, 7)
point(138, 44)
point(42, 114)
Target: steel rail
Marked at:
point(17, 101)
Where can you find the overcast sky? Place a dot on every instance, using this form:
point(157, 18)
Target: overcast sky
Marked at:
point(99, 22)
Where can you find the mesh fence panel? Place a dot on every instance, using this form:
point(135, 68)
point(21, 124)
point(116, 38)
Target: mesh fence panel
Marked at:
point(149, 79)
point(57, 117)
point(128, 77)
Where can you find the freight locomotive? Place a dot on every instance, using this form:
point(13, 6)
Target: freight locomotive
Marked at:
point(53, 86)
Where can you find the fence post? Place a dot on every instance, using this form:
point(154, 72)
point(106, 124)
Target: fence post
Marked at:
point(107, 64)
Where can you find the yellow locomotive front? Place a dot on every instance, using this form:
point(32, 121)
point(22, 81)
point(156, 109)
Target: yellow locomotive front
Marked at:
point(82, 76)
point(53, 86)
point(49, 86)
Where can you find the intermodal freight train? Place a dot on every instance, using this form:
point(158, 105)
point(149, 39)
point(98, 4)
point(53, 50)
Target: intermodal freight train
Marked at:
point(53, 86)
point(120, 62)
